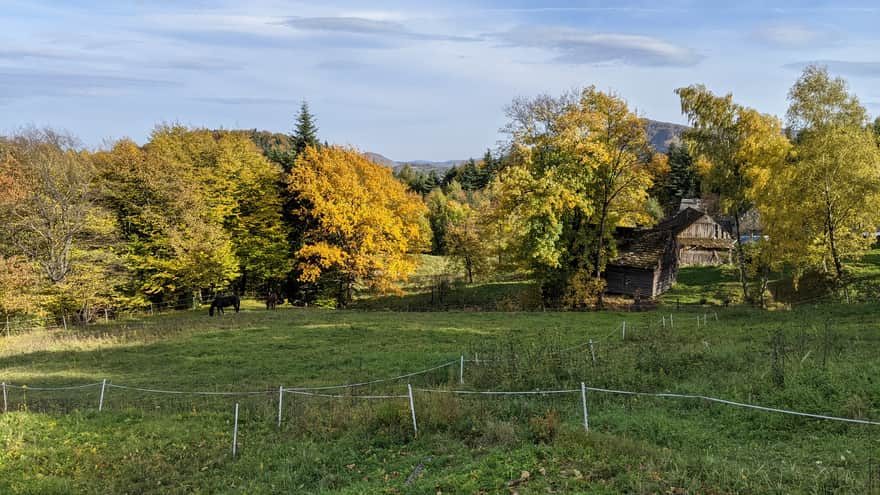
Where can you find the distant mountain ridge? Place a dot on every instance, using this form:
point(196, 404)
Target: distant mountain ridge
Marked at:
point(660, 135)
point(426, 165)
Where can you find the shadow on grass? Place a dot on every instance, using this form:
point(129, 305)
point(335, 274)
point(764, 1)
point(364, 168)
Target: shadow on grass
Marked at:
point(499, 296)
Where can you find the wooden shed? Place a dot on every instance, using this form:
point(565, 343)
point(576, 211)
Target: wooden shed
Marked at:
point(701, 240)
point(646, 264)
point(647, 260)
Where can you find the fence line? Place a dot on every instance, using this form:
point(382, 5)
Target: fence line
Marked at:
point(461, 392)
point(732, 403)
point(361, 384)
point(494, 392)
point(187, 392)
point(70, 387)
point(334, 396)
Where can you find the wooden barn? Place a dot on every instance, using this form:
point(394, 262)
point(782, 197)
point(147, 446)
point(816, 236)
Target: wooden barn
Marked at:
point(647, 260)
point(701, 240)
point(646, 264)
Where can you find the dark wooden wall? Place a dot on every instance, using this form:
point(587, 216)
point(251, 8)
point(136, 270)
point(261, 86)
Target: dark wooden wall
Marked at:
point(626, 280)
point(698, 256)
point(705, 228)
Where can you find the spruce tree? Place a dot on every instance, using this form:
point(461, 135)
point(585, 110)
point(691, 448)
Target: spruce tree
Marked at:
point(306, 132)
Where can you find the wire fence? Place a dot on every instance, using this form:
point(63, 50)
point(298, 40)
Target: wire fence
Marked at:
point(99, 393)
point(445, 379)
point(16, 325)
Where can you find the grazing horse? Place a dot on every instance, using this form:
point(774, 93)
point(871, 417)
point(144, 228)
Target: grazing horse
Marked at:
point(221, 302)
point(271, 300)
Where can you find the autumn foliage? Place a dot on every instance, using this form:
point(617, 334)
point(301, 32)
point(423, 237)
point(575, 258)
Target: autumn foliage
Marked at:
point(363, 224)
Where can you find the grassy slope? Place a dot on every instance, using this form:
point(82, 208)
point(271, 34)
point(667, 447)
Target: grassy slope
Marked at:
point(145, 443)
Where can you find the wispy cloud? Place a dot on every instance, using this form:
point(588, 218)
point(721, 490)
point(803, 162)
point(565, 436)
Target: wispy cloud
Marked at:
point(196, 65)
point(222, 37)
point(793, 35)
point(245, 100)
point(26, 83)
point(361, 26)
point(576, 46)
point(845, 67)
point(17, 54)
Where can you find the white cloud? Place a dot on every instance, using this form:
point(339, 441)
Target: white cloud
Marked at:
point(575, 46)
point(845, 67)
point(362, 26)
point(793, 35)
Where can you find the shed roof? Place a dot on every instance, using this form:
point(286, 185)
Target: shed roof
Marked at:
point(702, 242)
point(681, 220)
point(642, 249)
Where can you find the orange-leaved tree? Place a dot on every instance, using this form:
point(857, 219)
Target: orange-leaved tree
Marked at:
point(362, 224)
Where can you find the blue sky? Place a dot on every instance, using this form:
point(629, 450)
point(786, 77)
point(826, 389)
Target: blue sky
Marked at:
point(408, 79)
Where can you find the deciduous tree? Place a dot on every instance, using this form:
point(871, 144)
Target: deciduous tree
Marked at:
point(820, 206)
point(578, 166)
point(735, 146)
point(48, 190)
point(366, 224)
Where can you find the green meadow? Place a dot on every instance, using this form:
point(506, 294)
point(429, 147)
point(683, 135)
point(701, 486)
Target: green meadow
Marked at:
point(817, 359)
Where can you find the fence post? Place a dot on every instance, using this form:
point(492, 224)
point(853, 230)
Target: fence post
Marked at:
point(584, 401)
point(64, 321)
point(280, 397)
point(106, 316)
point(101, 400)
point(623, 331)
point(461, 371)
point(4, 396)
point(592, 352)
point(670, 322)
point(716, 315)
point(664, 322)
point(412, 408)
point(235, 432)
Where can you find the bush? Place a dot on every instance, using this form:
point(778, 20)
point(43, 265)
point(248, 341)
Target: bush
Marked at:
point(543, 429)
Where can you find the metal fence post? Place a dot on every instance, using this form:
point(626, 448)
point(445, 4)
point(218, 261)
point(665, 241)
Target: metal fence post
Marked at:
point(412, 408)
point(235, 432)
point(584, 401)
point(280, 397)
point(101, 400)
point(461, 371)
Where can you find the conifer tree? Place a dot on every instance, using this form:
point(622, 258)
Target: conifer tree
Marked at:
point(306, 132)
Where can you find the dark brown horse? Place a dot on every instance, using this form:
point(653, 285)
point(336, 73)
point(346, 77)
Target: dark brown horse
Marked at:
point(271, 300)
point(221, 302)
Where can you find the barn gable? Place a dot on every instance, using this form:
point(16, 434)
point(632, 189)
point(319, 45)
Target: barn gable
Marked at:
point(701, 239)
point(645, 265)
point(647, 260)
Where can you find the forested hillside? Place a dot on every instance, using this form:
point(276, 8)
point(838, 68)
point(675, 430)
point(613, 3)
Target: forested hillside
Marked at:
point(195, 212)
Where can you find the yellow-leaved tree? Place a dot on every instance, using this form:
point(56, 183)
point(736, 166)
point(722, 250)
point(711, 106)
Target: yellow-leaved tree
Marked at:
point(736, 146)
point(821, 206)
point(360, 223)
point(579, 166)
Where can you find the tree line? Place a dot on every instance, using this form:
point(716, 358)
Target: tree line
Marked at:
point(194, 210)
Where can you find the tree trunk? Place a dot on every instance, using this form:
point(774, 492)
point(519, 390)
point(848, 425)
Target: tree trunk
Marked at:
point(741, 259)
point(600, 245)
point(838, 266)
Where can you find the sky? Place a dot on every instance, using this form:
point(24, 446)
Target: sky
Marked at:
point(408, 79)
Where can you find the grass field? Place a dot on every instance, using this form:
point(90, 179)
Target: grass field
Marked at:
point(825, 362)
